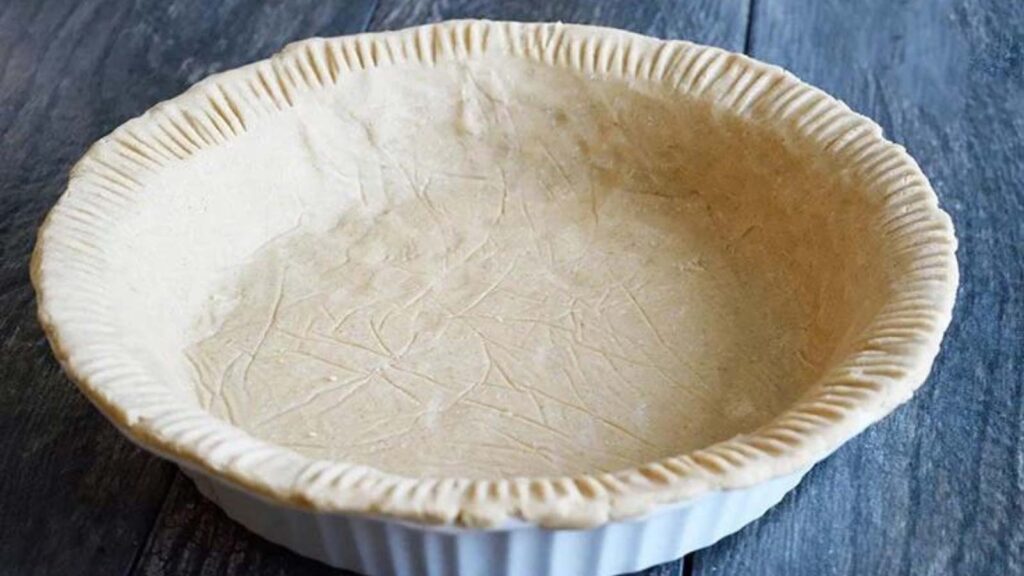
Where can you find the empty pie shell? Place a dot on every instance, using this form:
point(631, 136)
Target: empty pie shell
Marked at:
point(496, 274)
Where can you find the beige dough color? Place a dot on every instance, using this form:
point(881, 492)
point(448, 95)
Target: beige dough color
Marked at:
point(481, 271)
point(498, 269)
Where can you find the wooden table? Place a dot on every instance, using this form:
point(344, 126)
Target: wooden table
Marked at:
point(937, 488)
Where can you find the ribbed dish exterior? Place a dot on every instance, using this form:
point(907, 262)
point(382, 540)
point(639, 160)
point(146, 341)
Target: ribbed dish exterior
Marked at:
point(383, 547)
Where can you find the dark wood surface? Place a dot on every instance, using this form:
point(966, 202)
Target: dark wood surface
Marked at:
point(937, 488)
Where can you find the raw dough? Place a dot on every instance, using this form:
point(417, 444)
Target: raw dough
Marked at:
point(513, 285)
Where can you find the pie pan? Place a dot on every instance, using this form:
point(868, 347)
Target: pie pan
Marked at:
point(504, 298)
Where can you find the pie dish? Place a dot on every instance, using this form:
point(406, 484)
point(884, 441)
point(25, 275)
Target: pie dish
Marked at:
point(496, 292)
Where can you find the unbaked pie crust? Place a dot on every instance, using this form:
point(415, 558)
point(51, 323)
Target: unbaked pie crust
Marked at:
point(474, 271)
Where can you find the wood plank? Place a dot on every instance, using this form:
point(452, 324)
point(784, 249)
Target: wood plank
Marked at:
point(938, 487)
point(720, 23)
point(75, 497)
point(192, 536)
point(195, 537)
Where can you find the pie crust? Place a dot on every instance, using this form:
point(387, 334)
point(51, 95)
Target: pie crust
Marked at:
point(477, 271)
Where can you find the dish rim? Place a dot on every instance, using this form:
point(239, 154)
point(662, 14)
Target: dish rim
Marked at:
point(852, 394)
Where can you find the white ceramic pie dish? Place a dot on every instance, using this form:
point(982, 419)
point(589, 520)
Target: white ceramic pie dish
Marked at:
point(774, 259)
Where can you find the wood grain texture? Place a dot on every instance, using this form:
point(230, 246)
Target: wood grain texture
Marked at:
point(66, 476)
point(938, 487)
point(194, 537)
point(75, 497)
point(720, 23)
